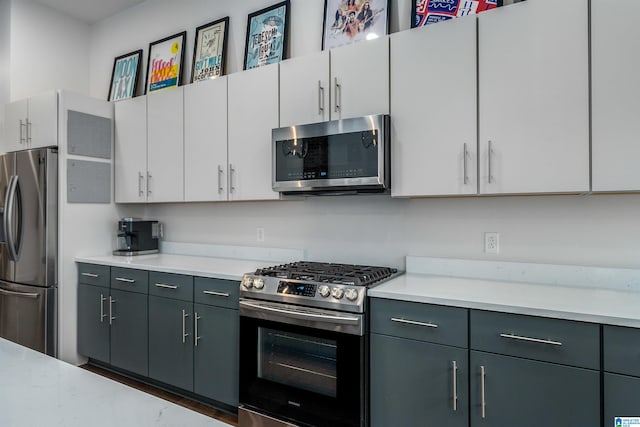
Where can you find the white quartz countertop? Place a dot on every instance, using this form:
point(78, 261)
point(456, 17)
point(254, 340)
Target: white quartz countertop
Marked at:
point(38, 390)
point(219, 268)
point(615, 301)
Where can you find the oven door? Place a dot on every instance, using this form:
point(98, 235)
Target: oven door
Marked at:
point(302, 365)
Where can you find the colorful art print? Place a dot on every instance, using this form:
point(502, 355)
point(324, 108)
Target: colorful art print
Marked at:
point(267, 36)
point(209, 50)
point(124, 77)
point(425, 12)
point(164, 66)
point(349, 21)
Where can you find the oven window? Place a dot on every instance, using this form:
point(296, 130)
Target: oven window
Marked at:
point(299, 361)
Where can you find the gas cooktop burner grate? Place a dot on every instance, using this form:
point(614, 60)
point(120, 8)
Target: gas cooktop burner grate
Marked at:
point(344, 274)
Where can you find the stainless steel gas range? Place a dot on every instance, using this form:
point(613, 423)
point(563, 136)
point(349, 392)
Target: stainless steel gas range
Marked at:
point(303, 344)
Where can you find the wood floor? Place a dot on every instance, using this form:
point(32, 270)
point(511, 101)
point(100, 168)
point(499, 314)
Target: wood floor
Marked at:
point(178, 400)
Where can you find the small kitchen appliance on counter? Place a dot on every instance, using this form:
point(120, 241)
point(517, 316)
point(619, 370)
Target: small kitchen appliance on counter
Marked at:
point(304, 344)
point(137, 237)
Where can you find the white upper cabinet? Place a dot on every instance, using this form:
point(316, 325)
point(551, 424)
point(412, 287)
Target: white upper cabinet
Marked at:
point(615, 67)
point(534, 98)
point(131, 150)
point(205, 140)
point(165, 155)
point(31, 123)
point(434, 110)
point(349, 81)
point(253, 113)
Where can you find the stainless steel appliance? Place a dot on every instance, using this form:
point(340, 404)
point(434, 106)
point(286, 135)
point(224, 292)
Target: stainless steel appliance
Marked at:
point(348, 156)
point(28, 253)
point(303, 344)
point(137, 237)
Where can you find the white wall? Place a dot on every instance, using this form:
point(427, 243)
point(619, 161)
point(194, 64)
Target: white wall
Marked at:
point(48, 50)
point(5, 31)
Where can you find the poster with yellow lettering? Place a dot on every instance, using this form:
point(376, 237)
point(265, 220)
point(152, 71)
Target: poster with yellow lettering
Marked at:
point(164, 66)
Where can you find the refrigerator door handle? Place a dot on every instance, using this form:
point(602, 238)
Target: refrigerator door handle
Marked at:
point(9, 212)
point(19, 294)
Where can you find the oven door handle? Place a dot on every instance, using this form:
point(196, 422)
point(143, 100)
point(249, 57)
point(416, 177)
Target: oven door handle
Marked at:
point(349, 320)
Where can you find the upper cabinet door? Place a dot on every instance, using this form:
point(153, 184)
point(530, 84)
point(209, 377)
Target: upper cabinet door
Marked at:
point(130, 162)
point(534, 98)
point(615, 64)
point(165, 167)
point(42, 130)
point(15, 123)
point(205, 140)
point(304, 90)
point(360, 79)
point(434, 105)
point(253, 114)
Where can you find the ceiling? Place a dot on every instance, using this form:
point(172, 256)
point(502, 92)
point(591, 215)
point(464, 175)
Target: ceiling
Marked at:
point(90, 11)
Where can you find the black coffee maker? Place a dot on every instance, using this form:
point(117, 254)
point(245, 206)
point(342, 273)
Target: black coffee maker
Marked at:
point(137, 237)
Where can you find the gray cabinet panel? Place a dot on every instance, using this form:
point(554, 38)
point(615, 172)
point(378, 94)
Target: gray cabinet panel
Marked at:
point(131, 280)
point(176, 286)
point(530, 393)
point(621, 351)
point(89, 135)
point(425, 322)
point(92, 274)
point(216, 354)
point(171, 341)
point(93, 325)
point(219, 292)
point(88, 182)
point(129, 331)
point(621, 397)
point(577, 343)
point(412, 383)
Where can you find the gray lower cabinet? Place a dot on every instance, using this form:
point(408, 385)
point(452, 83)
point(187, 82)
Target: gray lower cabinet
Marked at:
point(621, 355)
point(129, 331)
point(93, 327)
point(621, 397)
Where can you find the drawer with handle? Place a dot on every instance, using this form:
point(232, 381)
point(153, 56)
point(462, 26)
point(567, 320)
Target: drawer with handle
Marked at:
point(170, 285)
point(129, 279)
point(93, 274)
point(551, 340)
point(424, 322)
point(218, 292)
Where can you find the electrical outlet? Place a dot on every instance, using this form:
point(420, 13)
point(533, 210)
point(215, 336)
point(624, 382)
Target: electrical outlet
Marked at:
point(260, 234)
point(491, 242)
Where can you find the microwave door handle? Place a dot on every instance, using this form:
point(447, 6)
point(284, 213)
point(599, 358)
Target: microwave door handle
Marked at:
point(302, 315)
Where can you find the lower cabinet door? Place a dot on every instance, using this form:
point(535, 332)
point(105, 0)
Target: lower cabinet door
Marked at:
point(414, 383)
point(93, 322)
point(129, 331)
point(171, 341)
point(216, 353)
point(621, 397)
point(529, 393)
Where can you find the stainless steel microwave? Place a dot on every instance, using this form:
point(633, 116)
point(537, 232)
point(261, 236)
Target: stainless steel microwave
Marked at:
point(341, 156)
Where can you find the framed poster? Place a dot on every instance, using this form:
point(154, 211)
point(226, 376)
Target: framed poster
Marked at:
point(164, 66)
point(124, 77)
point(209, 50)
point(349, 21)
point(425, 12)
point(267, 36)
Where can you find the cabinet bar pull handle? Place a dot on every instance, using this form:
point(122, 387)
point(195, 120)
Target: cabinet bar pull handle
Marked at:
point(28, 127)
point(196, 329)
point(184, 325)
point(454, 380)
point(220, 179)
point(140, 178)
point(413, 322)
point(218, 294)
point(231, 172)
point(338, 93)
point(465, 177)
point(483, 402)
point(111, 317)
point(90, 275)
point(22, 139)
point(149, 176)
point(320, 98)
point(489, 153)
point(122, 279)
point(528, 339)
point(102, 315)
point(162, 285)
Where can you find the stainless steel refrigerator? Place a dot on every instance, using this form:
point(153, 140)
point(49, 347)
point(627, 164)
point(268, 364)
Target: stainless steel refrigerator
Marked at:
point(28, 248)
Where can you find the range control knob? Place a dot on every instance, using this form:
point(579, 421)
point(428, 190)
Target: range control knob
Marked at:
point(337, 293)
point(247, 282)
point(324, 291)
point(258, 283)
point(351, 294)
